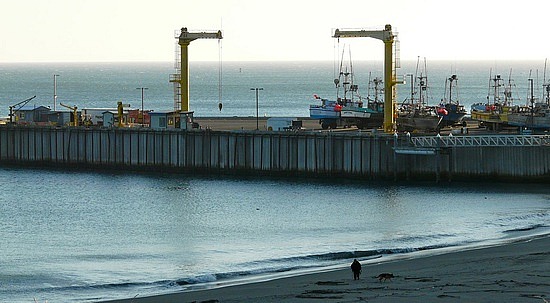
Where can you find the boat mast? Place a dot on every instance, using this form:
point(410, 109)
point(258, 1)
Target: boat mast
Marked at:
point(340, 74)
point(497, 83)
point(452, 80)
point(422, 86)
point(508, 98)
point(415, 80)
point(546, 85)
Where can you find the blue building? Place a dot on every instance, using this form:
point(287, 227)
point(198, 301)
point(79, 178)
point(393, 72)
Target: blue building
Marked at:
point(31, 114)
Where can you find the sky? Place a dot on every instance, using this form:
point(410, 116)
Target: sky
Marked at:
point(259, 30)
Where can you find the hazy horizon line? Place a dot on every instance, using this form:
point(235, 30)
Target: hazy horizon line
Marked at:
point(264, 61)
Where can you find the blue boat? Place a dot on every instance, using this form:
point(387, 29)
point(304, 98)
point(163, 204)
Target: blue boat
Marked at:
point(452, 113)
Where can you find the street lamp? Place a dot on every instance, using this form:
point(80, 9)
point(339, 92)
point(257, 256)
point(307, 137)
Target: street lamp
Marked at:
point(257, 114)
point(142, 117)
point(54, 91)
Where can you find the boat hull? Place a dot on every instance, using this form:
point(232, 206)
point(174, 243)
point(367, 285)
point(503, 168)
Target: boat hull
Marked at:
point(529, 121)
point(453, 115)
point(430, 123)
point(323, 113)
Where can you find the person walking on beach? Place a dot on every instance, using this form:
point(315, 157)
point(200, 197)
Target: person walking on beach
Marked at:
point(356, 269)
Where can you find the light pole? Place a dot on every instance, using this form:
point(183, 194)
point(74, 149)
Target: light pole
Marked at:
point(257, 113)
point(54, 91)
point(142, 90)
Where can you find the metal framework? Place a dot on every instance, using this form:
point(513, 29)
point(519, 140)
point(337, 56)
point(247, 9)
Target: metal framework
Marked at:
point(475, 141)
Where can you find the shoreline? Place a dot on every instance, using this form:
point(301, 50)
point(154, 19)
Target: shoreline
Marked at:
point(517, 271)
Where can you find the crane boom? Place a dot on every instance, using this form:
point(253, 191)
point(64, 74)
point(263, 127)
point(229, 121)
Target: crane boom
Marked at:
point(22, 103)
point(388, 37)
point(74, 109)
point(384, 35)
point(186, 36)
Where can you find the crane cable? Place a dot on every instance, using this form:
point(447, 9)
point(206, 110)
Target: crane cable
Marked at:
point(220, 104)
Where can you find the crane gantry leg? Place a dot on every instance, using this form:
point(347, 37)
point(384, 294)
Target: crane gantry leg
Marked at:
point(184, 79)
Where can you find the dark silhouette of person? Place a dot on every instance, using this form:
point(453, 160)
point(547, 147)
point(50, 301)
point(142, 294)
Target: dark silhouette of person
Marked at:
point(356, 269)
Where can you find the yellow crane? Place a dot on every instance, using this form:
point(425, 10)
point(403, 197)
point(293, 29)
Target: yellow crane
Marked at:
point(120, 112)
point(181, 79)
point(75, 117)
point(390, 64)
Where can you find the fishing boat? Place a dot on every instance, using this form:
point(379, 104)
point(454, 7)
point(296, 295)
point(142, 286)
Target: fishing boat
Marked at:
point(450, 110)
point(494, 113)
point(535, 115)
point(327, 109)
point(414, 114)
point(349, 108)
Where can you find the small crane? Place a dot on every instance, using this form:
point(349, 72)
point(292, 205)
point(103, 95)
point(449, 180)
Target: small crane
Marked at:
point(120, 112)
point(73, 108)
point(20, 104)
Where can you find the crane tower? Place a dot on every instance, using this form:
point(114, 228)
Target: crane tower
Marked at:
point(391, 62)
point(181, 77)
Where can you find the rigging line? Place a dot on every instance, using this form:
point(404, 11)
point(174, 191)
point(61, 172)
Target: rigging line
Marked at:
point(335, 52)
point(350, 65)
point(428, 96)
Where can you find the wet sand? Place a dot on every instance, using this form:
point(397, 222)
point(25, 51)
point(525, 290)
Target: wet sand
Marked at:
point(513, 272)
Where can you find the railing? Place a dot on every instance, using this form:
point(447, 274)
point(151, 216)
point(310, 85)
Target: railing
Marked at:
point(473, 141)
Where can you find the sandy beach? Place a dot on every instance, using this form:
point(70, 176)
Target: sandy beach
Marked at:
point(513, 272)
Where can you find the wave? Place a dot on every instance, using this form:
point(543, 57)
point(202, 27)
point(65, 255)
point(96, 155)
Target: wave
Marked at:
point(281, 265)
point(526, 228)
point(105, 286)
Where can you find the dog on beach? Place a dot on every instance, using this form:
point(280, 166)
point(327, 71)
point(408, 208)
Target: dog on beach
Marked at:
point(385, 276)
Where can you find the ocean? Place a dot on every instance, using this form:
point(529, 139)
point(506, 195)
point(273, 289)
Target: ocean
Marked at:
point(87, 236)
point(288, 87)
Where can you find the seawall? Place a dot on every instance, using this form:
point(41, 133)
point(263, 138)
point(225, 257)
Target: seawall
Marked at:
point(358, 155)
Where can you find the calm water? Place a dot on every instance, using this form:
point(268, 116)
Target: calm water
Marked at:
point(87, 236)
point(79, 237)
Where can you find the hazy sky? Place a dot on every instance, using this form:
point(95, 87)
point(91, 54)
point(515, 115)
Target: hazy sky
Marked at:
point(129, 30)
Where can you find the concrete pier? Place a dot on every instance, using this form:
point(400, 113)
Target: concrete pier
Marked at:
point(358, 155)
